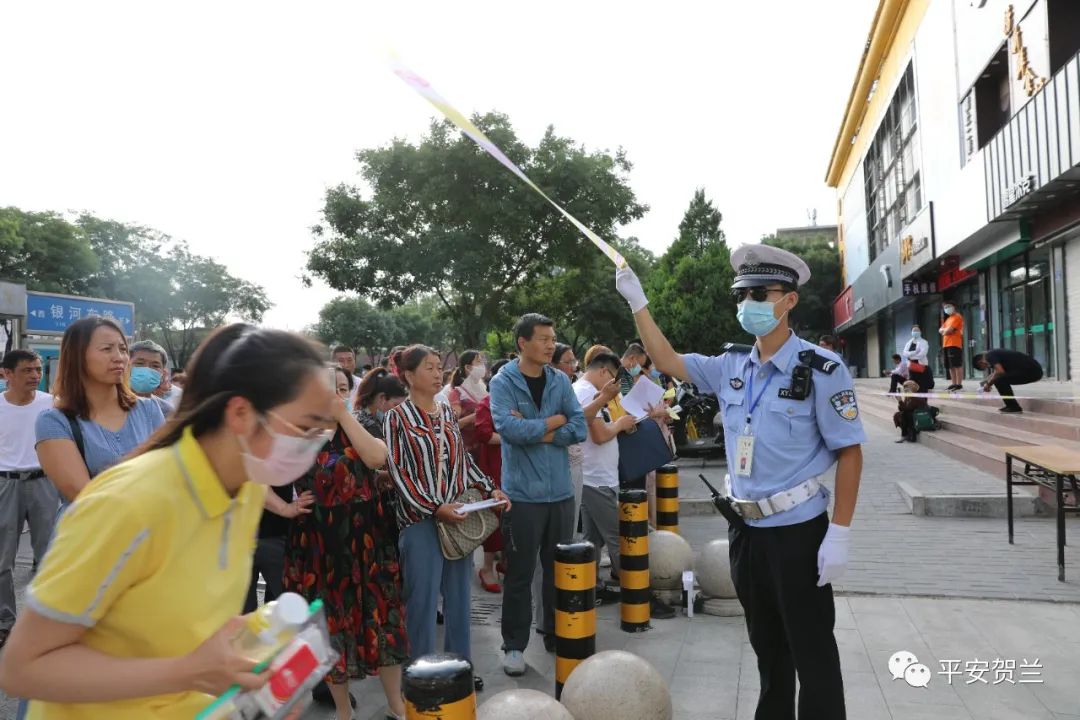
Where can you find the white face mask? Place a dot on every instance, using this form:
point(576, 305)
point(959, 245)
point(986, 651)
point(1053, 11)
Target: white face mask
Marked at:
point(290, 457)
point(477, 372)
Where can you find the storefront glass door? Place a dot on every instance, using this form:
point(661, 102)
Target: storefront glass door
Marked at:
point(1027, 317)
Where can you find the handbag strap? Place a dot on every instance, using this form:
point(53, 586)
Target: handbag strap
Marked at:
point(76, 433)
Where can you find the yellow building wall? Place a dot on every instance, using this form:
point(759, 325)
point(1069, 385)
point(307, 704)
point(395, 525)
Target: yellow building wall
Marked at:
point(892, 69)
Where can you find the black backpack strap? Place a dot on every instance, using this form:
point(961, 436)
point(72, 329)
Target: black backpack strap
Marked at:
point(818, 362)
point(76, 433)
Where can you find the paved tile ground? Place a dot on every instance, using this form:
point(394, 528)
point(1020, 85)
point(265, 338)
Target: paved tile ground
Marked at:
point(896, 558)
point(894, 552)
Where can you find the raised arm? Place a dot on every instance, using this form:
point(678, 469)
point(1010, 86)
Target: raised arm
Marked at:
point(663, 355)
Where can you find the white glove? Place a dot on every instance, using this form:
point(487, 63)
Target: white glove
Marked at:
point(832, 556)
point(628, 285)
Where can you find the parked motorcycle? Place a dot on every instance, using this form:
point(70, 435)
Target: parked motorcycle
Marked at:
point(697, 432)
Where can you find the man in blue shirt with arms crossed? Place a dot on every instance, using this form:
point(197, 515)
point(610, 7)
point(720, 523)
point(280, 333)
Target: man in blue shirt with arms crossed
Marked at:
point(789, 413)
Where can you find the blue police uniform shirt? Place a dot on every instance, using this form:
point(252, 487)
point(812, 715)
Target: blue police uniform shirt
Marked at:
point(794, 440)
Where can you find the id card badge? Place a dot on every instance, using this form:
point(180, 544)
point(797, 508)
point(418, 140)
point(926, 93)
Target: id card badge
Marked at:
point(744, 455)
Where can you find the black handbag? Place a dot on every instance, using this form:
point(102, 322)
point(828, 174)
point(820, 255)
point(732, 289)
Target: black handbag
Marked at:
point(641, 452)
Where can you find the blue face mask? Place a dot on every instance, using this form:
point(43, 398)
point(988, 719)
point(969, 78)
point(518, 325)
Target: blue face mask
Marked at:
point(380, 415)
point(757, 317)
point(3, 385)
point(635, 371)
point(144, 380)
point(654, 374)
point(915, 334)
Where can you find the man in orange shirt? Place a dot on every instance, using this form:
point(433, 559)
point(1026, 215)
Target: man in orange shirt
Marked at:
point(952, 346)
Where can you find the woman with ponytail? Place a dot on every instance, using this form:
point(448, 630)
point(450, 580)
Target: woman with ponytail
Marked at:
point(345, 551)
point(131, 613)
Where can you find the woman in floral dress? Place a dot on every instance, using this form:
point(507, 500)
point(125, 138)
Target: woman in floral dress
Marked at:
point(345, 552)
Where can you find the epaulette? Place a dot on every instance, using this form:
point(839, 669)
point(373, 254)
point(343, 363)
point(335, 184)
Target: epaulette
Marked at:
point(735, 347)
point(818, 362)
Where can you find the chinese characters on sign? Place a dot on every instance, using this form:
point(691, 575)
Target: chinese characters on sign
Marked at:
point(48, 314)
point(969, 123)
point(914, 287)
point(1017, 190)
point(1032, 82)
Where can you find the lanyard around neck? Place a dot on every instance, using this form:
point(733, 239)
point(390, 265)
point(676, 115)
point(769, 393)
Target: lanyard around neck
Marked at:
point(750, 393)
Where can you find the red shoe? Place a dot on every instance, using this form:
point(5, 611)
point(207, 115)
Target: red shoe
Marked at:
point(490, 587)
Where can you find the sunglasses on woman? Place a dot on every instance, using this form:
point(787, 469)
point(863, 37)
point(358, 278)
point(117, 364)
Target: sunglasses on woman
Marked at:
point(757, 294)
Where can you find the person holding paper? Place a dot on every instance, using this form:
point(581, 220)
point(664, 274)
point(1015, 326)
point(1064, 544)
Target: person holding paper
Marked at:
point(600, 460)
point(431, 469)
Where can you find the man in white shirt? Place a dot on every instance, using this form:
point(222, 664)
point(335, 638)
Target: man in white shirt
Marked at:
point(25, 493)
point(600, 460)
point(915, 354)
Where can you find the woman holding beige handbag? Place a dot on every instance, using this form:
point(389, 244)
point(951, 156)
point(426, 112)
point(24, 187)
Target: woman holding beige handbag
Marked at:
point(431, 470)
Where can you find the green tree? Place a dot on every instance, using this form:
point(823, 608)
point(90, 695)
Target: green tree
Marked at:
point(444, 218)
point(582, 300)
point(812, 317)
point(690, 289)
point(354, 322)
point(44, 251)
point(201, 294)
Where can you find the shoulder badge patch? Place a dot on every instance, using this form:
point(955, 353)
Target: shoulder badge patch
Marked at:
point(736, 383)
point(844, 404)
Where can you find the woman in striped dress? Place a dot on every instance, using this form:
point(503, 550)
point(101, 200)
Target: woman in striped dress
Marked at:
point(429, 466)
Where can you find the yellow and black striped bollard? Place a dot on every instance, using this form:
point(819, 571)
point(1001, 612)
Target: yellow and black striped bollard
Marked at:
point(667, 498)
point(439, 686)
point(634, 559)
point(575, 608)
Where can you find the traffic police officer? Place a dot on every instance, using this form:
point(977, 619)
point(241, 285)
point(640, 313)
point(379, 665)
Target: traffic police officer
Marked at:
point(789, 413)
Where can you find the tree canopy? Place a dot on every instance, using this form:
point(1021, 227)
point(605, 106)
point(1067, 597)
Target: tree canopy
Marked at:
point(690, 289)
point(442, 218)
point(178, 294)
point(812, 317)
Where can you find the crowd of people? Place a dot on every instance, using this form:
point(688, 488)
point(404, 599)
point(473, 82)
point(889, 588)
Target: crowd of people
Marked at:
point(165, 509)
point(912, 373)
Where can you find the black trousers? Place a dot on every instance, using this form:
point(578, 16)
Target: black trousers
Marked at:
point(895, 381)
point(1004, 384)
point(270, 563)
point(789, 618)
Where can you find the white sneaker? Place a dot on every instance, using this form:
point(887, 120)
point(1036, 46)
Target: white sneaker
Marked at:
point(514, 663)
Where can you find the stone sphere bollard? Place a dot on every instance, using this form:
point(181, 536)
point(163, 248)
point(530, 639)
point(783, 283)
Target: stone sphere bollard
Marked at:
point(713, 570)
point(617, 685)
point(669, 557)
point(523, 705)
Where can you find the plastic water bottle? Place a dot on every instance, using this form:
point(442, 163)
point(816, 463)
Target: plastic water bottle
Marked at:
point(270, 627)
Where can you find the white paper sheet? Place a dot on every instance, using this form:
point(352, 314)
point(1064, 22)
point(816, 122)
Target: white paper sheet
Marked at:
point(643, 394)
point(481, 505)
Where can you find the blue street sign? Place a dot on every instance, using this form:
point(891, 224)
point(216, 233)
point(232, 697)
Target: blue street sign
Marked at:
point(50, 314)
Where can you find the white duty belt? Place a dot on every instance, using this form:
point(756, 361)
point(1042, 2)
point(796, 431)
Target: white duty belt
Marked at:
point(780, 502)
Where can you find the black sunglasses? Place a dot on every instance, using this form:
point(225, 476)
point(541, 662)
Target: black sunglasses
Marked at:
point(757, 294)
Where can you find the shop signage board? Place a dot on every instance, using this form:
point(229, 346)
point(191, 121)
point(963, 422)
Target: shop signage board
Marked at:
point(51, 313)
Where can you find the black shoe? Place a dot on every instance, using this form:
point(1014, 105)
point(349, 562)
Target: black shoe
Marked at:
point(660, 610)
point(478, 683)
point(1011, 409)
point(438, 617)
point(549, 643)
point(321, 695)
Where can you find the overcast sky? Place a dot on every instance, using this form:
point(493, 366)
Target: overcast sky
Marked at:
point(223, 123)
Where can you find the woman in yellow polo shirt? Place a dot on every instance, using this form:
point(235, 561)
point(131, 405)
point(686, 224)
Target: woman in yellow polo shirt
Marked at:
point(132, 612)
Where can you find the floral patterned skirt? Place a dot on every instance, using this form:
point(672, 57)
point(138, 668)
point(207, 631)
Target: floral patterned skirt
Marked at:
point(347, 555)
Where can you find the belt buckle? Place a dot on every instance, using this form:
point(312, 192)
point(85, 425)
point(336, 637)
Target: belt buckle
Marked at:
point(749, 510)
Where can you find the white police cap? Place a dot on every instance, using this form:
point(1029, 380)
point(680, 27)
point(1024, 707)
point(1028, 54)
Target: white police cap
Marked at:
point(757, 265)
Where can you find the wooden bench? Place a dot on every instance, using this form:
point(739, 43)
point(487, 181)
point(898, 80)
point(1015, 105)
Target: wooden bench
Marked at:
point(1047, 466)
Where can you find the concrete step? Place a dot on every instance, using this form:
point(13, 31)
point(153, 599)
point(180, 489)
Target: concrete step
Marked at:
point(1042, 424)
point(1003, 431)
point(976, 444)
